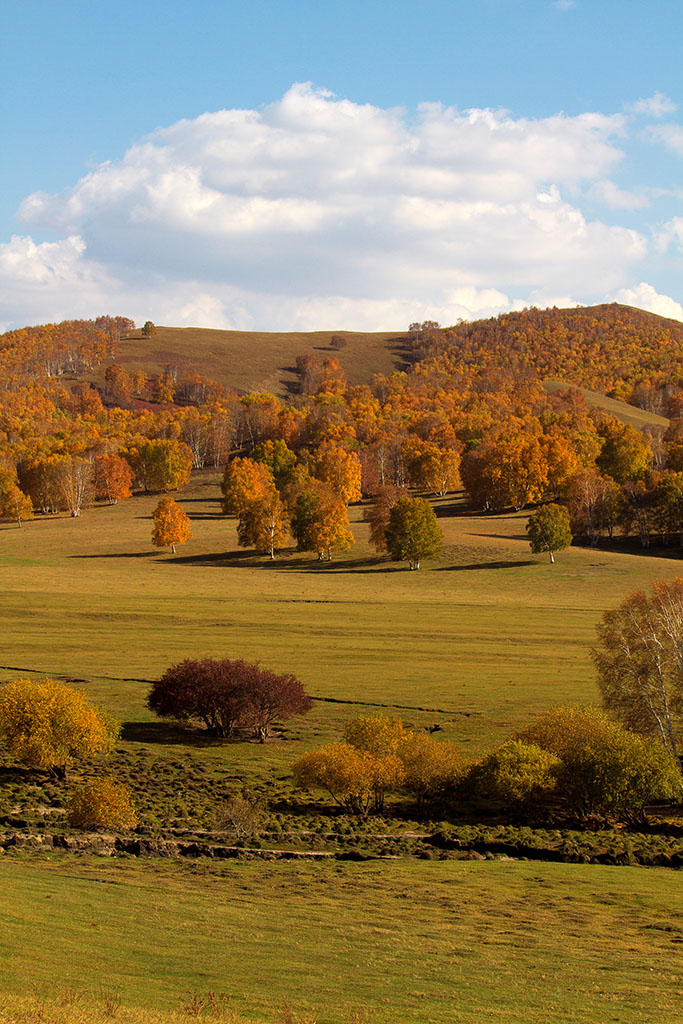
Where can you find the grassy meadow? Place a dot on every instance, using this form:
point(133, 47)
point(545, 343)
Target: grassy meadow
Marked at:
point(398, 943)
point(477, 643)
point(264, 361)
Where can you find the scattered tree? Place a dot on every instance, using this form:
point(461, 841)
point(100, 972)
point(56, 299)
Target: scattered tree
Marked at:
point(320, 522)
point(640, 663)
point(549, 530)
point(171, 524)
point(377, 515)
point(263, 524)
point(413, 533)
point(14, 504)
point(113, 479)
point(226, 695)
point(244, 482)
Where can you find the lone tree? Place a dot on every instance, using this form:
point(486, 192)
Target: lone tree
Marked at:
point(227, 695)
point(171, 524)
point(640, 663)
point(148, 329)
point(549, 530)
point(49, 725)
point(412, 532)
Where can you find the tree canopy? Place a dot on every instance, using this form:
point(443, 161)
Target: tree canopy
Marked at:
point(412, 532)
point(50, 725)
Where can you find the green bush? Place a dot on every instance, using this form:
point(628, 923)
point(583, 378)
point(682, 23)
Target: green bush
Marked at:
point(518, 774)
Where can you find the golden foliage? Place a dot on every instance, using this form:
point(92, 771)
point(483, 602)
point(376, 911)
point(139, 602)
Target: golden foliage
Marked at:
point(50, 725)
point(102, 804)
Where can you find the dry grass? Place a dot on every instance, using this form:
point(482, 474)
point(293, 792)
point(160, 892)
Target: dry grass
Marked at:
point(258, 360)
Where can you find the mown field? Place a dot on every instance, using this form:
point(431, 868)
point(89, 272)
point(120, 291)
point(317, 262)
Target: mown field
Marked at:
point(477, 643)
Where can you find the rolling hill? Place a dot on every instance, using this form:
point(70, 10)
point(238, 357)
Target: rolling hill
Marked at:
point(260, 361)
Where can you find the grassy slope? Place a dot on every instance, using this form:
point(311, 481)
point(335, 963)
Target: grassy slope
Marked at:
point(259, 360)
point(403, 943)
point(639, 418)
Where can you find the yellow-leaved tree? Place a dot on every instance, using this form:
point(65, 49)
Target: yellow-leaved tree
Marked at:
point(50, 725)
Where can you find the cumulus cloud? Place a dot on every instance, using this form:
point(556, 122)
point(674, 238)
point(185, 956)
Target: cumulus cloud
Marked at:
point(319, 212)
point(670, 234)
point(644, 296)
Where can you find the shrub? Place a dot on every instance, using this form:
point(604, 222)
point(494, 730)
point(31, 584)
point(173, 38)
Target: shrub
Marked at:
point(518, 774)
point(49, 725)
point(242, 815)
point(103, 803)
point(226, 695)
point(606, 769)
point(432, 768)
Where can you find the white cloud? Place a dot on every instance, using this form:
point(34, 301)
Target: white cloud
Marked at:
point(654, 106)
point(317, 211)
point(670, 234)
point(616, 198)
point(644, 296)
point(670, 134)
point(564, 5)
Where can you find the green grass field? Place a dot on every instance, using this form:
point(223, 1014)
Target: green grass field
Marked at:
point(399, 943)
point(483, 639)
point(478, 643)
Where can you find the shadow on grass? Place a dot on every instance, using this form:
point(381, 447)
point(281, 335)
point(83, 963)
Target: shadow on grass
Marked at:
point(16, 773)
point(485, 565)
point(169, 734)
point(303, 563)
point(122, 554)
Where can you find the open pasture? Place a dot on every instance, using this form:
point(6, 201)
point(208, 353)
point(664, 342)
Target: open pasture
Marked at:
point(398, 943)
point(264, 361)
point(477, 642)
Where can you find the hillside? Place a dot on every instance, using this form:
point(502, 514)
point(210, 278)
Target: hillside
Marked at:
point(259, 361)
point(608, 348)
point(639, 418)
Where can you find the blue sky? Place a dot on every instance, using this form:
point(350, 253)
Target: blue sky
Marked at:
point(395, 162)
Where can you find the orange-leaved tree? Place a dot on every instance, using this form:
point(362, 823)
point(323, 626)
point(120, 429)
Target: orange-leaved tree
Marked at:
point(171, 524)
point(263, 524)
point(320, 521)
point(113, 478)
point(244, 481)
point(339, 469)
